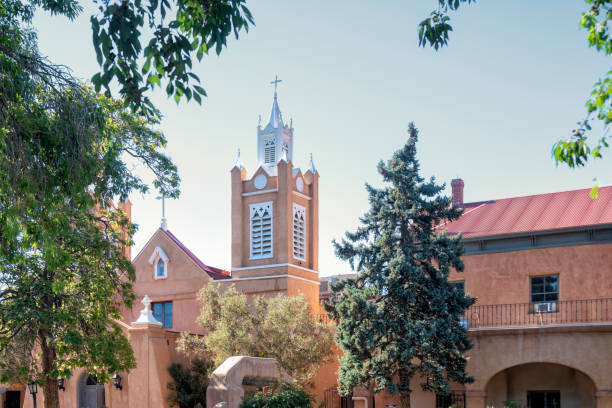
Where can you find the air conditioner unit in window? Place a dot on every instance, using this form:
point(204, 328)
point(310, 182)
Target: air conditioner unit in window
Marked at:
point(545, 307)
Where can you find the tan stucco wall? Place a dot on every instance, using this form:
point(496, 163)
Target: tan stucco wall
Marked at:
point(501, 278)
point(577, 390)
point(184, 281)
point(587, 349)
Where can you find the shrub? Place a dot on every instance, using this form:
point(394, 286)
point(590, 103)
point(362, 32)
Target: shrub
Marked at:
point(287, 396)
point(188, 385)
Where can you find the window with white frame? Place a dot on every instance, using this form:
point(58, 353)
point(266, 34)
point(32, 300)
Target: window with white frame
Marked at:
point(159, 260)
point(299, 232)
point(160, 269)
point(269, 151)
point(261, 230)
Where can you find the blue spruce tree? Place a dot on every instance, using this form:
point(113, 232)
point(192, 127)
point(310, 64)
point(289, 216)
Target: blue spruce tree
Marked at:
point(400, 317)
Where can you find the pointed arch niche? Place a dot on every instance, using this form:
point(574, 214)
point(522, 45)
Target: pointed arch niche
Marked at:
point(159, 260)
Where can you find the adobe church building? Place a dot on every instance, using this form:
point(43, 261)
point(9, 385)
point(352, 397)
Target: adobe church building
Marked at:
point(540, 267)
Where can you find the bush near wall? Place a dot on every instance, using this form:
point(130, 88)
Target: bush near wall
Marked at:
point(287, 396)
point(188, 385)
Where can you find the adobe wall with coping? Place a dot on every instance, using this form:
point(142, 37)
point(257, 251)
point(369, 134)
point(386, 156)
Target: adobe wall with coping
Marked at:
point(504, 278)
point(226, 382)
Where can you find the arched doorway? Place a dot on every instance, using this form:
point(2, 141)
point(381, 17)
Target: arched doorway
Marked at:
point(541, 385)
point(91, 392)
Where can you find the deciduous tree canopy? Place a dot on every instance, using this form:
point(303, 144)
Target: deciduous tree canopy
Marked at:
point(281, 327)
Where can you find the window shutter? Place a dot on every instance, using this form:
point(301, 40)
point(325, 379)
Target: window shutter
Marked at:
point(261, 230)
point(299, 232)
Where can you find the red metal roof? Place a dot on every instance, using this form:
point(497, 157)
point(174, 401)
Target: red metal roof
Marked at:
point(542, 212)
point(213, 272)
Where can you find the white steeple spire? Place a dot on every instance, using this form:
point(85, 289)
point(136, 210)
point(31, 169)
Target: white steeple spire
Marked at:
point(238, 163)
point(276, 120)
point(311, 165)
point(275, 140)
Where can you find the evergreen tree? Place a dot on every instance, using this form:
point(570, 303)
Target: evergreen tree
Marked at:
point(400, 317)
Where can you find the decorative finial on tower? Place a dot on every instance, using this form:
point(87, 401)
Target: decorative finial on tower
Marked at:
point(164, 222)
point(291, 123)
point(146, 317)
point(259, 121)
point(275, 82)
point(284, 156)
point(238, 163)
point(311, 165)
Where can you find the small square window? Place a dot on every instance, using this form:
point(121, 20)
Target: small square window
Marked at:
point(162, 311)
point(544, 293)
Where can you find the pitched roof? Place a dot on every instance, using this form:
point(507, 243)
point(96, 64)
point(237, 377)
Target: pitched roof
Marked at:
point(542, 212)
point(213, 272)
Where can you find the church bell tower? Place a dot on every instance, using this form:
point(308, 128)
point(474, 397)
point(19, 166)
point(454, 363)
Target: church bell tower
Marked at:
point(275, 218)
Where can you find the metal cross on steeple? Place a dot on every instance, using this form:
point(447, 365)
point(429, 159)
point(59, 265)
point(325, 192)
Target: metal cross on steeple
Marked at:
point(275, 82)
point(164, 222)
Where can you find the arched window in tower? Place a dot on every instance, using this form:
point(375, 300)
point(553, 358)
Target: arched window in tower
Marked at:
point(299, 232)
point(261, 230)
point(269, 151)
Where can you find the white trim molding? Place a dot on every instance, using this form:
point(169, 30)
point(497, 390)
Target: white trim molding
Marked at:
point(269, 277)
point(157, 256)
point(297, 193)
point(246, 268)
point(271, 190)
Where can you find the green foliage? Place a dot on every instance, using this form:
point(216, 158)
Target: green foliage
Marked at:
point(281, 327)
point(141, 44)
point(64, 275)
point(188, 385)
point(194, 28)
point(575, 150)
point(287, 396)
point(400, 316)
point(436, 28)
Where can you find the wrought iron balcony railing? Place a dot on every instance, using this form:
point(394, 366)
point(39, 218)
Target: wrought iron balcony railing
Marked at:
point(539, 314)
point(532, 314)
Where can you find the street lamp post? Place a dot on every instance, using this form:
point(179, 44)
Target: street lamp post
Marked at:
point(33, 390)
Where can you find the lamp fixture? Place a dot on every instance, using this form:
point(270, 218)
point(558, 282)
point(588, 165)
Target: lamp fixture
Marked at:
point(33, 387)
point(60, 384)
point(117, 381)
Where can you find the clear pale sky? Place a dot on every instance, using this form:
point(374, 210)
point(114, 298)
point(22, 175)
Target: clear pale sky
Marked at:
point(489, 107)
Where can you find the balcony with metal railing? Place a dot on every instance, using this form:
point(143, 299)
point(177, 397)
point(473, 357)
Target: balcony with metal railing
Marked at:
point(519, 315)
point(524, 315)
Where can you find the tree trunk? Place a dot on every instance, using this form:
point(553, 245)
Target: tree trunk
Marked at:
point(404, 399)
point(50, 391)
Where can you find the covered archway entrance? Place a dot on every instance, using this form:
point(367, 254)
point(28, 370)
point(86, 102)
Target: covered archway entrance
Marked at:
point(91, 392)
point(541, 385)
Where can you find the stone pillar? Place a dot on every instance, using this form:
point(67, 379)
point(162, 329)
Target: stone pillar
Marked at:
point(146, 335)
point(2, 391)
point(475, 399)
point(603, 399)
